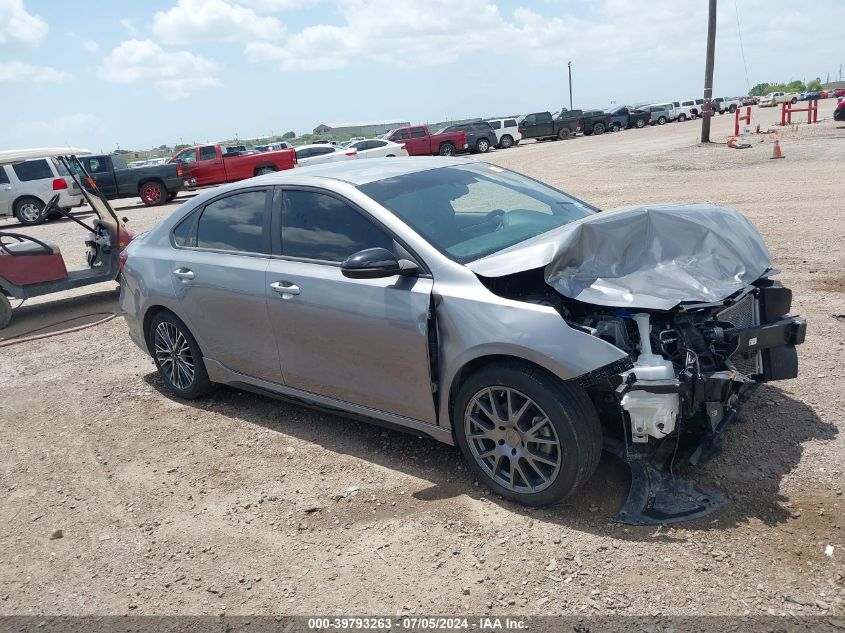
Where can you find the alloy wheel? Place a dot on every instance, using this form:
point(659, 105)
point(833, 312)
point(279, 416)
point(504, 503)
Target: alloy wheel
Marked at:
point(174, 356)
point(30, 212)
point(512, 439)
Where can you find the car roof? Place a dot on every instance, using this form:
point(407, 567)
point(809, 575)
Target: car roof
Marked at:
point(12, 156)
point(361, 172)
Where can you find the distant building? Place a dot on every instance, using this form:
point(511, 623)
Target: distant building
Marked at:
point(833, 85)
point(369, 128)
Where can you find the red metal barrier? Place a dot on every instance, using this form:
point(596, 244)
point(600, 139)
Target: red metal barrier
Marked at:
point(812, 111)
point(737, 119)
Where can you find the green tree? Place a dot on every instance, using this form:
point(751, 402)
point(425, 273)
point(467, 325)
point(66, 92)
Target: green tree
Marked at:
point(796, 85)
point(288, 135)
point(180, 147)
point(815, 84)
point(760, 89)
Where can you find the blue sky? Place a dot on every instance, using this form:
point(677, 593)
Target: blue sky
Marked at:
point(139, 74)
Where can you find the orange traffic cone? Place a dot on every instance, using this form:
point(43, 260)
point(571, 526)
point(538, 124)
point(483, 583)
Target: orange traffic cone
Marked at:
point(776, 151)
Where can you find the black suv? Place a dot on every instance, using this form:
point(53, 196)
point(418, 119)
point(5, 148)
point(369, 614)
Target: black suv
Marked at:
point(480, 135)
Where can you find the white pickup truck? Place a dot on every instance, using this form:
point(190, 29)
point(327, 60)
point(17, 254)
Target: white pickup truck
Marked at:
point(774, 98)
point(726, 104)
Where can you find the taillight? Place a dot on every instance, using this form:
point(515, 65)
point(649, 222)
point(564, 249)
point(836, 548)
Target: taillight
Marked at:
point(580, 123)
point(59, 184)
point(179, 170)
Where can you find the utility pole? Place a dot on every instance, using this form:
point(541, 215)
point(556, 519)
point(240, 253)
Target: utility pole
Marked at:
point(708, 73)
point(569, 65)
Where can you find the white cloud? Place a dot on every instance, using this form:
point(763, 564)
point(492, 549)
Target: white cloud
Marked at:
point(404, 34)
point(129, 25)
point(16, 25)
point(175, 74)
point(414, 33)
point(90, 45)
point(273, 6)
point(215, 21)
point(19, 71)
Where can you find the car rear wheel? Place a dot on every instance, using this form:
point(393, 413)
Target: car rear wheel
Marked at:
point(29, 211)
point(732, 109)
point(563, 134)
point(172, 196)
point(682, 118)
point(661, 120)
point(5, 311)
point(178, 357)
point(640, 123)
point(506, 142)
point(794, 100)
point(599, 128)
point(153, 193)
point(447, 149)
point(616, 127)
point(482, 146)
point(529, 436)
point(264, 170)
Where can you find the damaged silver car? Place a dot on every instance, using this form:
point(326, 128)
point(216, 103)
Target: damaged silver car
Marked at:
point(479, 306)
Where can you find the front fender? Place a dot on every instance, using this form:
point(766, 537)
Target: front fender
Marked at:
point(472, 328)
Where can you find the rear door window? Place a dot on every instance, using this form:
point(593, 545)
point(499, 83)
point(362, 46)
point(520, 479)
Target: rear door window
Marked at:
point(33, 170)
point(234, 223)
point(510, 122)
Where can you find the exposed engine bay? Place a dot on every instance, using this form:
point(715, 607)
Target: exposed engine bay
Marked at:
point(687, 372)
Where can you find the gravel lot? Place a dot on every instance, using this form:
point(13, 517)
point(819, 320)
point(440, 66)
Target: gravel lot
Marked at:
point(239, 504)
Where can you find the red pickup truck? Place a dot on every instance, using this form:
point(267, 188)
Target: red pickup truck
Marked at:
point(210, 165)
point(420, 142)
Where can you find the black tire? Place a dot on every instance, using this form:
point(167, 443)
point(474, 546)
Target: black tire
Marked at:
point(794, 100)
point(5, 311)
point(29, 211)
point(199, 384)
point(447, 149)
point(640, 123)
point(563, 133)
point(661, 120)
point(265, 169)
point(616, 126)
point(732, 109)
point(152, 193)
point(172, 196)
point(482, 146)
point(682, 118)
point(571, 415)
point(506, 142)
point(599, 128)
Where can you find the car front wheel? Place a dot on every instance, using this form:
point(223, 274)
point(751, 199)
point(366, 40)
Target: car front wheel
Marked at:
point(178, 357)
point(640, 123)
point(530, 437)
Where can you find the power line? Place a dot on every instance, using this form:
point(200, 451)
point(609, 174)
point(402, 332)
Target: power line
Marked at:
point(741, 48)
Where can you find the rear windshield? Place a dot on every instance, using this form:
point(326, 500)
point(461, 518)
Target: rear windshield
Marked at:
point(470, 211)
point(33, 170)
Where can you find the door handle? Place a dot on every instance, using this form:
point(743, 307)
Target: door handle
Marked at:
point(184, 273)
point(285, 288)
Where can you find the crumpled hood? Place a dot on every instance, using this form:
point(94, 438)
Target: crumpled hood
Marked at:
point(643, 257)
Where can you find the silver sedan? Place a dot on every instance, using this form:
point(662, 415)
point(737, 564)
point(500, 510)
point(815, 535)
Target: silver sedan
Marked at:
point(479, 306)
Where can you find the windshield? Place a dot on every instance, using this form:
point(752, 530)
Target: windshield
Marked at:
point(471, 211)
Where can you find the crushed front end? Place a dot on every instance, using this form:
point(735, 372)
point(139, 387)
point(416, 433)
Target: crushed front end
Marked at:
point(690, 369)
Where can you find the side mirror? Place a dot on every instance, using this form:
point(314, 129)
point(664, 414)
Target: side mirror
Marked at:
point(376, 263)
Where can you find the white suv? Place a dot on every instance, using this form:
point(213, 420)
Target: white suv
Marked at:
point(25, 189)
point(507, 132)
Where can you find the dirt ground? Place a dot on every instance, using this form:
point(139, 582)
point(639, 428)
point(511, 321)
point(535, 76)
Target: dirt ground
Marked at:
point(239, 504)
